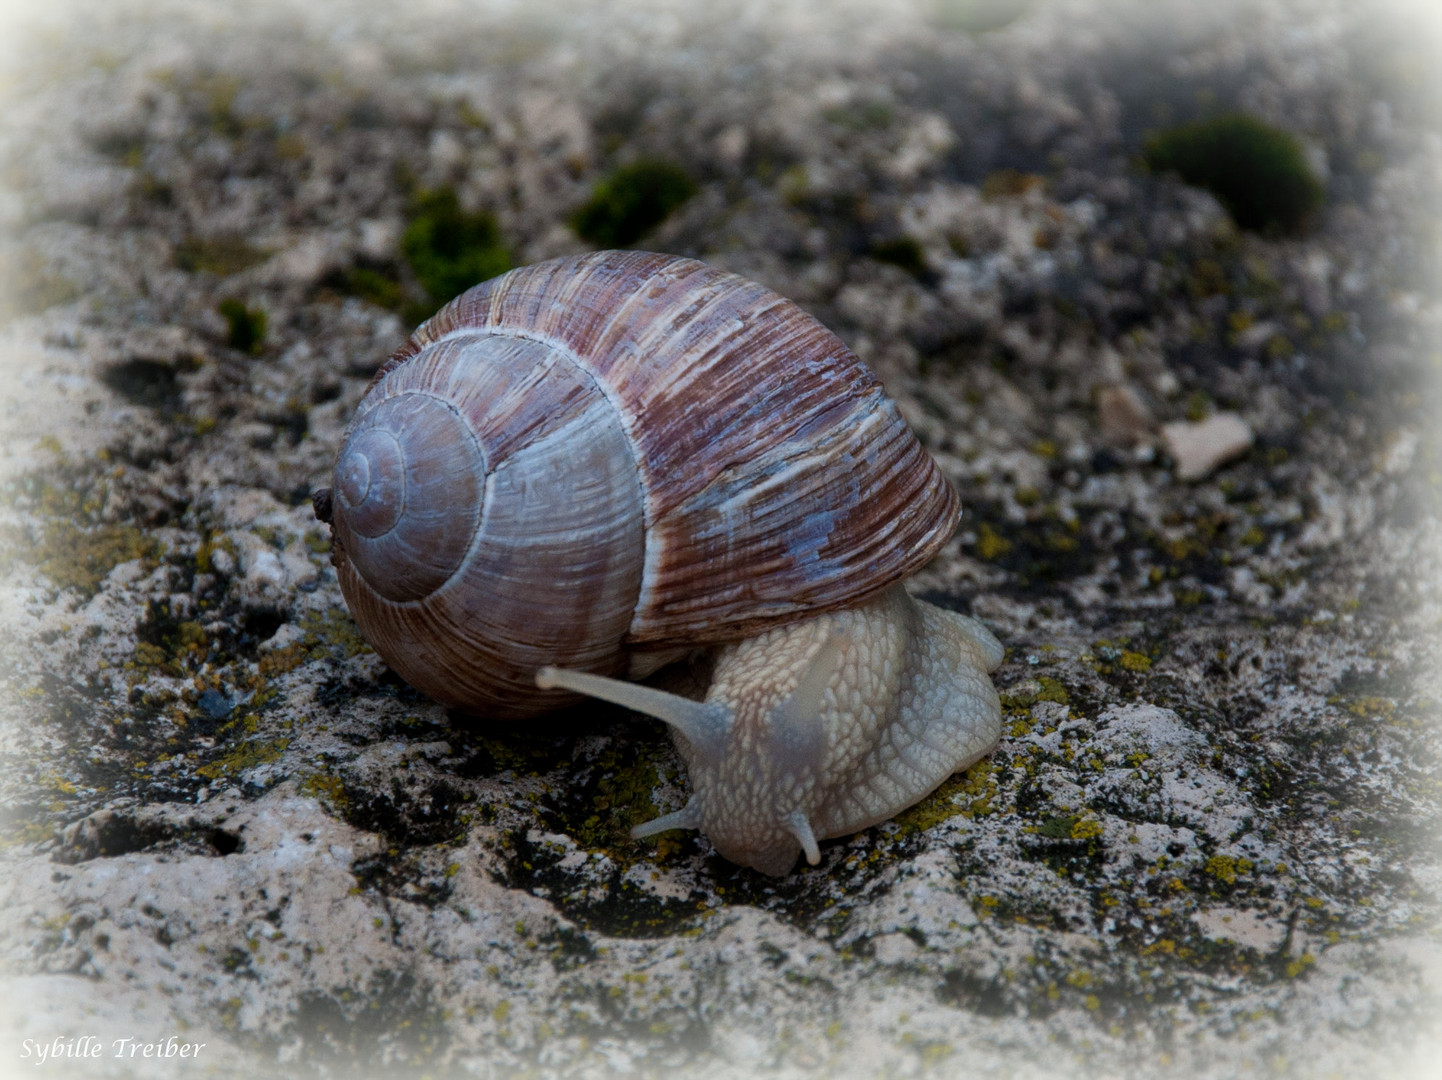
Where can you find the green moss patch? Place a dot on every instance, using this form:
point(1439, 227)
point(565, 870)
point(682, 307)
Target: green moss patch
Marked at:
point(330, 790)
point(246, 326)
point(622, 800)
point(966, 793)
point(166, 643)
point(449, 248)
point(1256, 171)
point(630, 202)
point(221, 256)
point(78, 557)
point(372, 286)
point(608, 795)
point(904, 252)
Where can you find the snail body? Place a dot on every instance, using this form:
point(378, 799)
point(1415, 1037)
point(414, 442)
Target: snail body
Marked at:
point(599, 464)
point(823, 727)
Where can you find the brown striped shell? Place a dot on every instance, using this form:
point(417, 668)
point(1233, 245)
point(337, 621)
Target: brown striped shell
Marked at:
point(595, 459)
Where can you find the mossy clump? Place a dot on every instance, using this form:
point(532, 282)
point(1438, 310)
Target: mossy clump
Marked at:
point(1226, 868)
point(967, 794)
point(1256, 171)
point(220, 255)
point(990, 544)
point(330, 790)
point(1052, 690)
point(246, 331)
point(450, 248)
point(623, 799)
point(167, 643)
point(79, 558)
point(630, 202)
point(902, 251)
point(372, 286)
point(861, 116)
point(1135, 661)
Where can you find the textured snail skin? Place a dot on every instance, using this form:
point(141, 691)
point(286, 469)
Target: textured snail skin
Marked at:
point(824, 727)
point(590, 467)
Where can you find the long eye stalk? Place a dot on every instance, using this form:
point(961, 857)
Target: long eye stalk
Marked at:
point(704, 724)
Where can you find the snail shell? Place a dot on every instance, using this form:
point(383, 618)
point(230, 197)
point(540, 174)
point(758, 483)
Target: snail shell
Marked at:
point(596, 461)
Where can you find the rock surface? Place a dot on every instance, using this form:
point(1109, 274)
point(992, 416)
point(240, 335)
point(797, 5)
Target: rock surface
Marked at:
point(1208, 845)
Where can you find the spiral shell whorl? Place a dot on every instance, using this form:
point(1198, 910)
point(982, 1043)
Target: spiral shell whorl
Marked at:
point(408, 486)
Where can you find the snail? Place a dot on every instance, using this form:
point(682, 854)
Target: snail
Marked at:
point(586, 469)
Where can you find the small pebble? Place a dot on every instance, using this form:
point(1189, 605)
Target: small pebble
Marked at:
point(1199, 447)
point(1124, 416)
point(216, 705)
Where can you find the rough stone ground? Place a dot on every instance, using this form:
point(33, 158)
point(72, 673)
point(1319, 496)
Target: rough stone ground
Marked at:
point(1208, 843)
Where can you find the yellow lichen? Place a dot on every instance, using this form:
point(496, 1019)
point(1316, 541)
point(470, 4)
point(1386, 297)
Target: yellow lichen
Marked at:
point(1052, 690)
point(990, 544)
point(1225, 868)
point(78, 557)
point(248, 755)
point(330, 790)
point(333, 630)
point(279, 661)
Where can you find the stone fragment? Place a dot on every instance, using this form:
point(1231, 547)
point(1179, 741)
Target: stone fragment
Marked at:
point(256, 433)
point(304, 262)
point(1249, 929)
point(1124, 416)
point(1200, 446)
point(378, 239)
point(215, 704)
point(731, 145)
point(894, 949)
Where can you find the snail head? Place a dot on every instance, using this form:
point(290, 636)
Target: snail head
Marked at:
point(755, 757)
